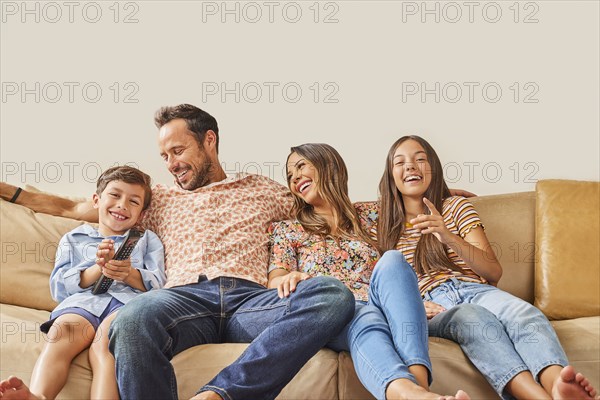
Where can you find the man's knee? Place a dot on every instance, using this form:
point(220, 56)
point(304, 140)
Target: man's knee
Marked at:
point(331, 296)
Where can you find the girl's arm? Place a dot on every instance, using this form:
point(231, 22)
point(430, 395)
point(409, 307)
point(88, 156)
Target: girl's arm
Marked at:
point(474, 249)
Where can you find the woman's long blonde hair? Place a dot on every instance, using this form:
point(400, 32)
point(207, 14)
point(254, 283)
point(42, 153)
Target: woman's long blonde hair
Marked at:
point(332, 186)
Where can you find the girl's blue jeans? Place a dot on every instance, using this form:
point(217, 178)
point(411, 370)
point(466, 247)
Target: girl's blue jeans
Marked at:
point(501, 334)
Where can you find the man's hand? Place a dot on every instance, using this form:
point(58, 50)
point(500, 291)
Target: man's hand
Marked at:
point(289, 282)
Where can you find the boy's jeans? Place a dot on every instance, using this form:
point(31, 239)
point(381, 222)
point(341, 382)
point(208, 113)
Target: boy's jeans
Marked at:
point(285, 333)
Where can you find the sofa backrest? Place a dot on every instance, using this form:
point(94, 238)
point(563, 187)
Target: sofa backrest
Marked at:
point(567, 281)
point(28, 243)
point(509, 221)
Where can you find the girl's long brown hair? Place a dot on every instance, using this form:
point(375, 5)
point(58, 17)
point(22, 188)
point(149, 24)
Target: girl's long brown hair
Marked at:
point(331, 186)
point(430, 254)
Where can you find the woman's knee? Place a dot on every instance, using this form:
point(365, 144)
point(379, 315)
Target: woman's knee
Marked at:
point(392, 264)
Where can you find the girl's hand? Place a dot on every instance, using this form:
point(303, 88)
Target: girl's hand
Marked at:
point(117, 270)
point(289, 282)
point(432, 309)
point(105, 252)
point(433, 223)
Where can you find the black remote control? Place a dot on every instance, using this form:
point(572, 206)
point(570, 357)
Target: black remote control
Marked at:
point(103, 283)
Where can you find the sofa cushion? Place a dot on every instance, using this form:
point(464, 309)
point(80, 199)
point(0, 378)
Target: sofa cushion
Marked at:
point(567, 236)
point(29, 243)
point(509, 226)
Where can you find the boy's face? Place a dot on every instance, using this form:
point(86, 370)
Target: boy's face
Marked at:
point(119, 207)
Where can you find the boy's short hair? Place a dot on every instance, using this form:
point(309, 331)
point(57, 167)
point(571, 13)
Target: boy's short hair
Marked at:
point(129, 175)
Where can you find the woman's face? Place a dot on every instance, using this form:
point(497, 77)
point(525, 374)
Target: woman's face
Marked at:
point(411, 169)
point(302, 179)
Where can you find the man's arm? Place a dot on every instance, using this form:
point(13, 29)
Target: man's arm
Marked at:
point(49, 204)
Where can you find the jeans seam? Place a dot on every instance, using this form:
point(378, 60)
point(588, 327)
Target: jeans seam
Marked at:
point(419, 361)
point(538, 368)
point(177, 321)
point(269, 307)
point(501, 384)
point(365, 361)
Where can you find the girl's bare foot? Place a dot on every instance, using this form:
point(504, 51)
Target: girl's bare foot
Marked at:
point(14, 388)
point(572, 385)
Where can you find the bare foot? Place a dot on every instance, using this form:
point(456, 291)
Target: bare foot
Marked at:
point(571, 385)
point(460, 395)
point(207, 395)
point(14, 388)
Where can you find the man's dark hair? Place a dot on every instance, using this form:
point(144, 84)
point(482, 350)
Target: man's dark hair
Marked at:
point(198, 121)
point(127, 174)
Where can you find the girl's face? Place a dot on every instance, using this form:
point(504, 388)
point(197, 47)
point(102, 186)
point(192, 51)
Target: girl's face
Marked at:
point(302, 179)
point(411, 169)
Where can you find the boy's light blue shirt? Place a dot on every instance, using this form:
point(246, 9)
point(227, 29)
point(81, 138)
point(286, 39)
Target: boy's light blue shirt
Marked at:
point(77, 252)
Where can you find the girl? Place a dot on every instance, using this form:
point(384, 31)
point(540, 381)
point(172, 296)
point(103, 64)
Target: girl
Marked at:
point(388, 336)
point(442, 237)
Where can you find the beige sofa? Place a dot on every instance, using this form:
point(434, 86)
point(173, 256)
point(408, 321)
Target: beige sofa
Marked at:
point(547, 241)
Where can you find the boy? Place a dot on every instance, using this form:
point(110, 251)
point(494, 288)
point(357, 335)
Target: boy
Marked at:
point(84, 254)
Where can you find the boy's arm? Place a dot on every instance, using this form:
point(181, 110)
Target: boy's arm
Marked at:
point(149, 272)
point(50, 204)
point(152, 273)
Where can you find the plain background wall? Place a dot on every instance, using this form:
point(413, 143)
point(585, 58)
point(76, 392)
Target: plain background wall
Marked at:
point(506, 91)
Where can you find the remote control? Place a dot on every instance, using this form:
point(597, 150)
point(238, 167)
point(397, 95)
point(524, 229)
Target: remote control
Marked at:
point(123, 253)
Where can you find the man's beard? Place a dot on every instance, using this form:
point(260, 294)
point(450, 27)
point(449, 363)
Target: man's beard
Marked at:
point(201, 178)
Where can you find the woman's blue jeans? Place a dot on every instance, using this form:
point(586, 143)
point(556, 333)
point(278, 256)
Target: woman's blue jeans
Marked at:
point(388, 334)
point(501, 334)
point(284, 333)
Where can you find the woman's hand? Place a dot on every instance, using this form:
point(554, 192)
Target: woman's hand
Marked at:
point(288, 283)
point(433, 223)
point(432, 309)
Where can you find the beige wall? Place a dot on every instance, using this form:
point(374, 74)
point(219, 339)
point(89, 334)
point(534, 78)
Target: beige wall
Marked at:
point(368, 71)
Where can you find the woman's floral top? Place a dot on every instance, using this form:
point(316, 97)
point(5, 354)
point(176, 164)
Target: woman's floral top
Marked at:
point(350, 261)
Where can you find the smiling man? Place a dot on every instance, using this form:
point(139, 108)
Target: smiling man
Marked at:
point(214, 232)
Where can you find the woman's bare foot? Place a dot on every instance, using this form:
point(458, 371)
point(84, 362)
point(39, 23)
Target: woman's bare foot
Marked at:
point(207, 395)
point(403, 389)
point(572, 385)
point(14, 388)
point(460, 395)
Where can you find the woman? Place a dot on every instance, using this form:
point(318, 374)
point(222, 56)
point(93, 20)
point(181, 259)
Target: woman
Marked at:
point(442, 237)
point(388, 336)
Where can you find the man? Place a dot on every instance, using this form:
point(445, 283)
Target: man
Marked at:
point(214, 232)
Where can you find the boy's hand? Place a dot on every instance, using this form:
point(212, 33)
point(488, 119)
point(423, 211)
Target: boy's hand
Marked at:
point(117, 270)
point(105, 252)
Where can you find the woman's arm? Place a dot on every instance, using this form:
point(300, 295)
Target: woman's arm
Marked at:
point(285, 281)
point(50, 204)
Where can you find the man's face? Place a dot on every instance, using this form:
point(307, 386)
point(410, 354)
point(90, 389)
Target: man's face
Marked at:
point(186, 160)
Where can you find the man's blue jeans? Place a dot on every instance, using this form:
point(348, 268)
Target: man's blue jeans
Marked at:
point(285, 333)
